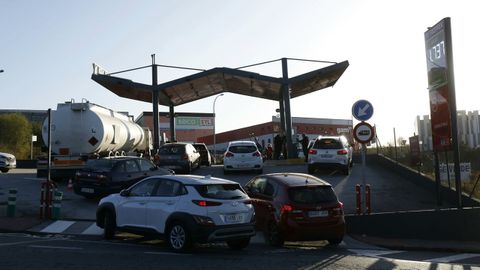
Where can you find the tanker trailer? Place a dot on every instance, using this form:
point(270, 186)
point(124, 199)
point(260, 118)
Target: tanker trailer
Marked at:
point(85, 130)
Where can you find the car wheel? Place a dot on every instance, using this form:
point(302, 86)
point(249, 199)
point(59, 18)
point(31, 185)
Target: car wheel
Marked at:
point(273, 235)
point(335, 242)
point(311, 169)
point(4, 170)
point(238, 244)
point(178, 238)
point(108, 225)
point(346, 170)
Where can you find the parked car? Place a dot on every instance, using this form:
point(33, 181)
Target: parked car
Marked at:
point(242, 156)
point(105, 176)
point(180, 157)
point(330, 152)
point(296, 207)
point(7, 162)
point(183, 209)
point(205, 156)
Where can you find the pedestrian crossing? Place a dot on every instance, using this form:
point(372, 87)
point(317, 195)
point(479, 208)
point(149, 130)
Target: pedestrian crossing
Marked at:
point(69, 227)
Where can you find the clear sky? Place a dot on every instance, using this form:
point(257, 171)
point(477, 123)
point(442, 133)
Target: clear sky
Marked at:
point(47, 49)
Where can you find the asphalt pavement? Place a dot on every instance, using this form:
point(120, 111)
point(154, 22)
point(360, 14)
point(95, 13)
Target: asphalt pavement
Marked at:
point(390, 193)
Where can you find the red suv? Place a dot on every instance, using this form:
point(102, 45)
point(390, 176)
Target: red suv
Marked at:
point(296, 207)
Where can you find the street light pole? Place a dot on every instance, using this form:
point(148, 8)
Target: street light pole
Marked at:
point(214, 119)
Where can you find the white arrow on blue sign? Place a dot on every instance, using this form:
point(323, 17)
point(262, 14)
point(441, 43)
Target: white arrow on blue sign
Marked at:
point(362, 110)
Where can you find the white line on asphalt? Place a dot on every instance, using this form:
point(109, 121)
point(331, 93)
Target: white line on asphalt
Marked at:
point(164, 253)
point(453, 258)
point(57, 226)
point(93, 230)
point(55, 247)
point(33, 178)
point(373, 253)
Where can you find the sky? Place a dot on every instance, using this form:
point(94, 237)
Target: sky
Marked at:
point(47, 49)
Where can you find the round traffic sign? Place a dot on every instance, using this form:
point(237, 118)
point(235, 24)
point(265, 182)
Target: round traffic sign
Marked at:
point(363, 132)
point(362, 110)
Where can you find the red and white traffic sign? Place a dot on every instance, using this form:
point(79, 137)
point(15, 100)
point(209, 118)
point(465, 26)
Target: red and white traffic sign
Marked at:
point(363, 132)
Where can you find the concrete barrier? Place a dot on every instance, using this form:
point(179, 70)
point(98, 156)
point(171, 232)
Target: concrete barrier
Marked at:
point(446, 224)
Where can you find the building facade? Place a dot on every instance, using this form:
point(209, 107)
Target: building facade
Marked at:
point(189, 126)
point(265, 133)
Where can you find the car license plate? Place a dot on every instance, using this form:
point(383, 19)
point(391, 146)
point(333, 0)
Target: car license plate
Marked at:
point(243, 165)
point(235, 218)
point(317, 214)
point(326, 156)
point(87, 190)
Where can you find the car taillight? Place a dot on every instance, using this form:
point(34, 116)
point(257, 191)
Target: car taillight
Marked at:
point(256, 154)
point(229, 154)
point(286, 208)
point(206, 203)
point(312, 152)
point(338, 210)
point(342, 152)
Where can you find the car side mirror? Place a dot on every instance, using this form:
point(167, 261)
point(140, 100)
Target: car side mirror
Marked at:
point(125, 193)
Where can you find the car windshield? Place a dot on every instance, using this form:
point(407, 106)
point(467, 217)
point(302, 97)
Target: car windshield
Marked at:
point(172, 150)
point(241, 149)
point(312, 194)
point(328, 144)
point(99, 165)
point(221, 191)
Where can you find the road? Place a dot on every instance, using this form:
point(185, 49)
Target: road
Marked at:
point(76, 251)
point(18, 251)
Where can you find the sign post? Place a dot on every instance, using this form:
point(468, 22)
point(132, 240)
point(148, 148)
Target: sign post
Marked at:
point(441, 86)
point(363, 133)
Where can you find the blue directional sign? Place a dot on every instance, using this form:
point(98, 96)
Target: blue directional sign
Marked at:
point(362, 110)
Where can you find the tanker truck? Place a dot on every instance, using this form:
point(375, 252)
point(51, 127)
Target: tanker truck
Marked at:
point(81, 131)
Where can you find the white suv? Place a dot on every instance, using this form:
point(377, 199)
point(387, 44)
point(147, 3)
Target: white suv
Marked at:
point(242, 156)
point(184, 209)
point(330, 152)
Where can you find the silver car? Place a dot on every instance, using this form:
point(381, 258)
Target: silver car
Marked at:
point(330, 152)
point(7, 162)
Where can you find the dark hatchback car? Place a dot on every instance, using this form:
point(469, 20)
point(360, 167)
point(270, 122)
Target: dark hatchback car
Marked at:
point(296, 207)
point(205, 157)
point(105, 176)
point(180, 157)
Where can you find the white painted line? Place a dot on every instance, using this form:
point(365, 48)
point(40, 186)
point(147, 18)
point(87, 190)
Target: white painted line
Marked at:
point(93, 230)
point(373, 252)
point(453, 258)
point(164, 253)
point(57, 226)
point(55, 247)
point(37, 179)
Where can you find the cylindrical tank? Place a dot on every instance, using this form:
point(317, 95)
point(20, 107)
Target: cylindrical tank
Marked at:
point(87, 128)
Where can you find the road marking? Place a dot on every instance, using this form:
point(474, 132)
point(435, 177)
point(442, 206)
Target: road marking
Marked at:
point(36, 179)
point(55, 247)
point(93, 230)
point(164, 253)
point(57, 226)
point(373, 252)
point(453, 258)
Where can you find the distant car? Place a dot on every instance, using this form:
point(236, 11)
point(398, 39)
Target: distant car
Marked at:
point(184, 209)
point(105, 176)
point(180, 157)
point(205, 157)
point(296, 207)
point(242, 156)
point(7, 162)
point(330, 152)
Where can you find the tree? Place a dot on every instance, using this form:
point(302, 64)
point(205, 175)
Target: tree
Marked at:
point(15, 135)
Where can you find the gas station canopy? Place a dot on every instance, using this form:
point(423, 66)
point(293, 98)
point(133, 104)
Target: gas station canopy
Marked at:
point(217, 80)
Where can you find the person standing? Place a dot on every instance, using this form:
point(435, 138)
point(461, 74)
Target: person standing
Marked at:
point(277, 146)
point(304, 141)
